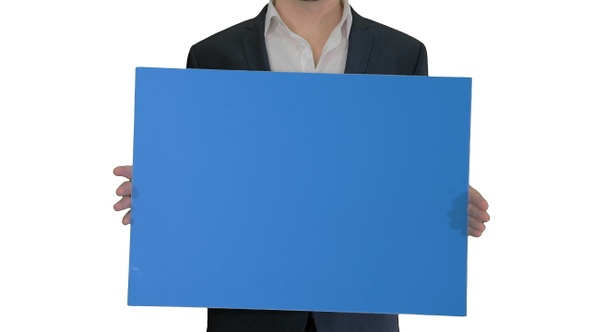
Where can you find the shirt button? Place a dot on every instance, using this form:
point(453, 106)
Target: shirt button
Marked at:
point(301, 47)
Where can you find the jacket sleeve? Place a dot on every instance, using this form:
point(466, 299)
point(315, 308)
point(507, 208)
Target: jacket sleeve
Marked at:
point(422, 63)
point(191, 61)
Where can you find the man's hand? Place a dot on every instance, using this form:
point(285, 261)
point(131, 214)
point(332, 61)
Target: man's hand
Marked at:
point(124, 191)
point(476, 213)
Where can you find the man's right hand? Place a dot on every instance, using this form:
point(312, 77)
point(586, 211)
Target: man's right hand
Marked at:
point(124, 191)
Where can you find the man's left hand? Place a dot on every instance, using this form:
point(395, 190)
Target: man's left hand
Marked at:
point(477, 213)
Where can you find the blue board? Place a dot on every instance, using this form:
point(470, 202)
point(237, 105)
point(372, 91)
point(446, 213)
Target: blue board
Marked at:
point(288, 191)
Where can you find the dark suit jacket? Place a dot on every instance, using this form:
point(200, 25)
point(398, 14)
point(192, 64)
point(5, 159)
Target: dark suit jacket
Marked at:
point(373, 49)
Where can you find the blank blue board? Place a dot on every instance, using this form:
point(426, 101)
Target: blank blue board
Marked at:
point(291, 191)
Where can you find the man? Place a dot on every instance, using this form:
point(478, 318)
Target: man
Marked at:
point(324, 36)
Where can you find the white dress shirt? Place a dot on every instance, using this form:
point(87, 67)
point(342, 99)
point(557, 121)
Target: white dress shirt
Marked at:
point(289, 52)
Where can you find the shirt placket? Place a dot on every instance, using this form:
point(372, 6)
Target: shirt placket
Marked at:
point(305, 54)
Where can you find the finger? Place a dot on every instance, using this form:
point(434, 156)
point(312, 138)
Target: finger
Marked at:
point(474, 232)
point(127, 218)
point(126, 171)
point(124, 189)
point(476, 224)
point(477, 199)
point(477, 213)
point(123, 203)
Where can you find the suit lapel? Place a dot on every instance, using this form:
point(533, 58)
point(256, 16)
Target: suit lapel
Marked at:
point(255, 45)
point(360, 42)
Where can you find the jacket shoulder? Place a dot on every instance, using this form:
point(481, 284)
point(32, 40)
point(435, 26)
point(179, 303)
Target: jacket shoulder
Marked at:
point(386, 34)
point(225, 49)
point(393, 51)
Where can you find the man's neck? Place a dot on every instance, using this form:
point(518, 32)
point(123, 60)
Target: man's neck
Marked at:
point(313, 20)
point(310, 18)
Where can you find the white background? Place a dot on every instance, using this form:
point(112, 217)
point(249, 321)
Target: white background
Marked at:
point(66, 119)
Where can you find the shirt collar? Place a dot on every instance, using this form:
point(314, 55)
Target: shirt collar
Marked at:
point(273, 17)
